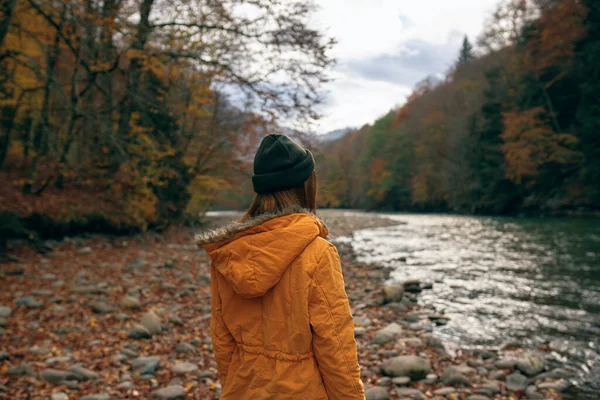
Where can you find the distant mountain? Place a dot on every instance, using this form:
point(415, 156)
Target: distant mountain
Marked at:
point(334, 135)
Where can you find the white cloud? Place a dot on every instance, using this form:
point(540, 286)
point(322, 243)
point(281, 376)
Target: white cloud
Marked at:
point(388, 32)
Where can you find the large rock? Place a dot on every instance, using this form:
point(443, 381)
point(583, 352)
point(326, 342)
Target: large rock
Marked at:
point(531, 363)
point(174, 392)
point(146, 365)
point(5, 311)
point(412, 366)
point(516, 382)
point(184, 368)
point(137, 331)
point(377, 393)
point(151, 321)
point(387, 334)
point(392, 293)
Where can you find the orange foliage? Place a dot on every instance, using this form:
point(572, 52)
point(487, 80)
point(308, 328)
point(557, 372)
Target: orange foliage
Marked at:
point(530, 143)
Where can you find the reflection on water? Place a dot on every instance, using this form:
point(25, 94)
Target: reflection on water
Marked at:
point(499, 279)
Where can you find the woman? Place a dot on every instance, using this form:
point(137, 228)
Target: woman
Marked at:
point(281, 323)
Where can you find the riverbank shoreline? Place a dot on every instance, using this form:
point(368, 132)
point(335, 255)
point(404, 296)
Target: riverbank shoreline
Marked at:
point(123, 317)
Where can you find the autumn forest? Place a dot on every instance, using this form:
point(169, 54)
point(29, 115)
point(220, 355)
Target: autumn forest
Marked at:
point(123, 115)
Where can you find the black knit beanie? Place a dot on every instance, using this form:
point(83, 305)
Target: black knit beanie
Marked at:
point(280, 163)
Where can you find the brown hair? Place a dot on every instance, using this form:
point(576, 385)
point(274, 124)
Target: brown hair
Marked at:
point(304, 196)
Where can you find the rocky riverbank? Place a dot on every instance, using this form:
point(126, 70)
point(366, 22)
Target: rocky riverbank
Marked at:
point(114, 318)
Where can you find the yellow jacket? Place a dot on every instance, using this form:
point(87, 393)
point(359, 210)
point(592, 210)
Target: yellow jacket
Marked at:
point(281, 322)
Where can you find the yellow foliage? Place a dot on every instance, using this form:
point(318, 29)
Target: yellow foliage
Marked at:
point(203, 191)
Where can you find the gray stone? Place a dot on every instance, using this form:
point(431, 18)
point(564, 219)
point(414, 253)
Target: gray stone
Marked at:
point(38, 350)
point(392, 293)
point(377, 393)
point(19, 369)
point(413, 341)
point(146, 365)
point(59, 396)
point(457, 375)
point(184, 347)
point(556, 373)
point(359, 331)
point(532, 393)
point(560, 385)
point(129, 352)
point(444, 391)
point(101, 307)
point(384, 381)
point(29, 302)
point(184, 368)
point(137, 331)
point(126, 385)
point(5, 311)
point(412, 366)
point(4, 356)
point(430, 379)
point(58, 376)
point(531, 363)
point(176, 320)
point(58, 360)
point(174, 392)
point(85, 250)
point(130, 302)
point(516, 382)
point(84, 373)
point(410, 393)
point(497, 375)
point(477, 397)
point(488, 387)
point(89, 289)
point(151, 322)
point(387, 334)
point(505, 363)
point(99, 396)
point(401, 380)
point(362, 321)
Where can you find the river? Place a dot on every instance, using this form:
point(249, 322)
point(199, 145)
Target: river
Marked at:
point(536, 281)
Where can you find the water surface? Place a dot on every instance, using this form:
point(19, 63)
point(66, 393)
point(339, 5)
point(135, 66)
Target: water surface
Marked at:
point(499, 279)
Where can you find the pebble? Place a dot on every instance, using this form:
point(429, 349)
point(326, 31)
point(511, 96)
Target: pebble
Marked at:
point(137, 331)
point(146, 365)
point(59, 396)
point(532, 393)
point(497, 375)
point(101, 307)
point(151, 322)
point(392, 293)
point(477, 397)
point(377, 393)
point(560, 385)
point(5, 311)
point(126, 385)
point(430, 379)
point(359, 331)
point(84, 250)
point(444, 391)
point(84, 373)
point(401, 380)
point(410, 393)
point(175, 320)
point(184, 347)
point(4, 356)
point(19, 369)
point(130, 302)
point(505, 363)
point(516, 382)
point(531, 363)
point(174, 392)
point(100, 396)
point(57, 376)
point(412, 366)
point(184, 368)
point(29, 302)
point(387, 334)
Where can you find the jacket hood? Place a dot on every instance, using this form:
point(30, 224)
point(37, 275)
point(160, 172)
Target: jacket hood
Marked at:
point(252, 255)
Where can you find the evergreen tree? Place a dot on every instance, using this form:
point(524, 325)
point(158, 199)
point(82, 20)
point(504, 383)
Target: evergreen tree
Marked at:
point(466, 52)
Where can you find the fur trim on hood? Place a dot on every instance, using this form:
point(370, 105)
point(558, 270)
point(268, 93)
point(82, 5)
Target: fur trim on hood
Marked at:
point(232, 229)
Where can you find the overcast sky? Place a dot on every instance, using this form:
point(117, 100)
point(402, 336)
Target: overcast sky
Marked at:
point(386, 46)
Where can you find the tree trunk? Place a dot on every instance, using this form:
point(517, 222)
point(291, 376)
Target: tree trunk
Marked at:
point(133, 73)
